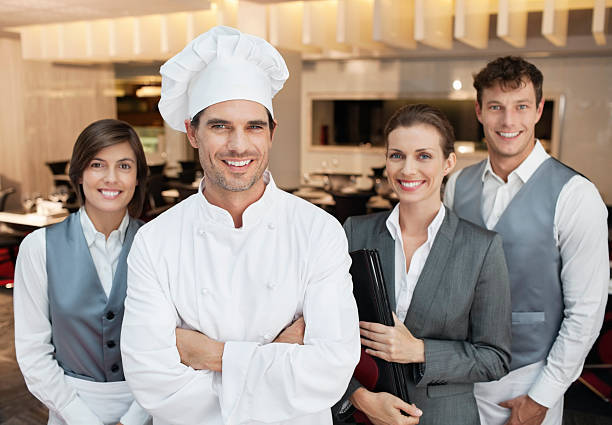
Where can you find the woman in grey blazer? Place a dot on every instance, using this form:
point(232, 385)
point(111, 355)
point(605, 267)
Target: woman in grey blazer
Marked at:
point(447, 282)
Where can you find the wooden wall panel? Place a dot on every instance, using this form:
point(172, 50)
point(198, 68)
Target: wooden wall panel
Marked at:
point(12, 131)
point(49, 106)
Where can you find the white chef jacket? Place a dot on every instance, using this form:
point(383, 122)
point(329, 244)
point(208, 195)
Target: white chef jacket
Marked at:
point(35, 352)
point(191, 268)
point(405, 282)
point(580, 229)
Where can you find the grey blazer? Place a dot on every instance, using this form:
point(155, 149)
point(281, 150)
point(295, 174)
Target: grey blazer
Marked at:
point(460, 308)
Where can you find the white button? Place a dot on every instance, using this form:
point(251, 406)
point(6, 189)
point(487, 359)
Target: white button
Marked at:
point(204, 291)
point(267, 337)
point(202, 232)
point(271, 226)
point(271, 285)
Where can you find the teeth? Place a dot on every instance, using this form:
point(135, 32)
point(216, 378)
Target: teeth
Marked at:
point(516, 133)
point(410, 184)
point(110, 193)
point(239, 163)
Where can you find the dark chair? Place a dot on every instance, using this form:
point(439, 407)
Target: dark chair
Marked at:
point(155, 202)
point(349, 204)
point(188, 172)
point(4, 194)
point(57, 167)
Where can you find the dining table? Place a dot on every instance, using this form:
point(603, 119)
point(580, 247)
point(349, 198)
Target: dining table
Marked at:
point(31, 219)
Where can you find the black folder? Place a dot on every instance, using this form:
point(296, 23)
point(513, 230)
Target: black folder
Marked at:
point(373, 304)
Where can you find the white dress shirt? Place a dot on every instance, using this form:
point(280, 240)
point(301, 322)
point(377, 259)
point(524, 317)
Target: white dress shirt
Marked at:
point(405, 282)
point(580, 230)
point(33, 336)
point(191, 268)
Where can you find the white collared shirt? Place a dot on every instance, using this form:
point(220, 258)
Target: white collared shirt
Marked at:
point(104, 252)
point(191, 268)
point(33, 333)
point(581, 233)
point(405, 282)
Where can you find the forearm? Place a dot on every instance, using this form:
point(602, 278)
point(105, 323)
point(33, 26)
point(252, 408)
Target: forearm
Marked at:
point(160, 383)
point(307, 378)
point(448, 361)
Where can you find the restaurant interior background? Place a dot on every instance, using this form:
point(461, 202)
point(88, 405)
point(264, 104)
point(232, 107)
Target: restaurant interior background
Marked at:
point(66, 63)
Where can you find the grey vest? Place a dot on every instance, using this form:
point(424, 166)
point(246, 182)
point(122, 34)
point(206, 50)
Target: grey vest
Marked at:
point(85, 325)
point(533, 258)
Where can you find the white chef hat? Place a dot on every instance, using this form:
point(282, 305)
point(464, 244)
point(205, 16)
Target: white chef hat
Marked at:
point(221, 64)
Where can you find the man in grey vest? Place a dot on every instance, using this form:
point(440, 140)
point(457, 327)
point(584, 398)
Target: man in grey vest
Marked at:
point(553, 224)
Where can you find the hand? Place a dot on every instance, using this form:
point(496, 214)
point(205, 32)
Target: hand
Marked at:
point(525, 411)
point(385, 408)
point(293, 334)
point(392, 343)
point(199, 351)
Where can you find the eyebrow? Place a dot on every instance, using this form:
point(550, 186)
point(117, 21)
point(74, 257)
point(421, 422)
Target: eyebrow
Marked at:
point(119, 160)
point(216, 121)
point(497, 102)
point(258, 122)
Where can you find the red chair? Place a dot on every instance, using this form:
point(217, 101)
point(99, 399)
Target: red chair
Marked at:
point(597, 373)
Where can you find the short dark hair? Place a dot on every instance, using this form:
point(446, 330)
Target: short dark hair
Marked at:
point(195, 121)
point(420, 113)
point(511, 72)
point(102, 134)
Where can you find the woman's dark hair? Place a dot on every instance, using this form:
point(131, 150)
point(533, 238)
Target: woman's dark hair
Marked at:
point(102, 134)
point(420, 113)
point(511, 72)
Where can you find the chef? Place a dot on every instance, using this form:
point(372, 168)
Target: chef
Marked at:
point(239, 307)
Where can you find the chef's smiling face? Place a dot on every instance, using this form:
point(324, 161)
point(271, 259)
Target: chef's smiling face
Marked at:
point(233, 139)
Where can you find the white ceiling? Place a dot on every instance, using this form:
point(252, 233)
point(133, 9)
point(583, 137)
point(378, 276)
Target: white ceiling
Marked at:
point(28, 12)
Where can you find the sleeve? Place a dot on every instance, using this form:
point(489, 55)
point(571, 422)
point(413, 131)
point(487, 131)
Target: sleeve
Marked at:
point(277, 382)
point(34, 350)
point(581, 226)
point(449, 190)
point(135, 415)
point(161, 384)
point(486, 356)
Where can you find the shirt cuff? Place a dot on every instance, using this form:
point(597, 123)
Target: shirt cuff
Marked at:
point(546, 391)
point(77, 412)
point(237, 357)
point(135, 415)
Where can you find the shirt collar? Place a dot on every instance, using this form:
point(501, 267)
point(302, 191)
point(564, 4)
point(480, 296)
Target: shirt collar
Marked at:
point(90, 232)
point(526, 168)
point(253, 212)
point(432, 230)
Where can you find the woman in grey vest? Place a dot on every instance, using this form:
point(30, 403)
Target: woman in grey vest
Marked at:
point(70, 283)
point(446, 279)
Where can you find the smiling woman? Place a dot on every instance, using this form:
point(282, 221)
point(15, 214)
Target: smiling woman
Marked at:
point(70, 283)
point(447, 280)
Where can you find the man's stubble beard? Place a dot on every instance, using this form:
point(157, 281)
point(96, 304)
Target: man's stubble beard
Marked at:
point(213, 175)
